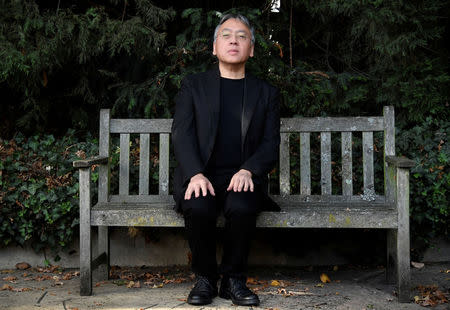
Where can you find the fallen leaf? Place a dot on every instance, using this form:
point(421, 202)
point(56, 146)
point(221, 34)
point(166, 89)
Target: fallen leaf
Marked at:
point(324, 278)
point(417, 265)
point(182, 299)
point(130, 284)
point(275, 283)
point(23, 265)
point(6, 287)
point(319, 285)
point(7, 271)
point(23, 289)
point(10, 278)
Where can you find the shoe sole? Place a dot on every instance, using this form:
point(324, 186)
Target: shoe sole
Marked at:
point(199, 302)
point(244, 303)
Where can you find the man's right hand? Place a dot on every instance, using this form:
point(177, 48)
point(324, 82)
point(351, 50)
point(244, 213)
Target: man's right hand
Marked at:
point(198, 182)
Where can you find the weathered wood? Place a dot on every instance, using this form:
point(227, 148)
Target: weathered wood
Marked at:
point(85, 233)
point(368, 173)
point(347, 175)
point(99, 260)
point(344, 215)
point(305, 164)
point(144, 163)
point(400, 162)
point(391, 256)
point(88, 162)
point(403, 248)
point(102, 273)
point(103, 191)
point(328, 124)
point(124, 199)
point(285, 186)
point(124, 166)
point(104, 149)
point(325, 162)
point(164, 164)
point(141, 125)
point(389, 149)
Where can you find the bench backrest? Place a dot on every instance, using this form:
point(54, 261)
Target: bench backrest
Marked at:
point(303, 126)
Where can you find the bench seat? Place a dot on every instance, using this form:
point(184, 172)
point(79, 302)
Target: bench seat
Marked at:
point(349, 214)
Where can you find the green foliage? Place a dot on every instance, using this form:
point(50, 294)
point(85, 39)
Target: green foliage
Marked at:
point(39, 189)
point(58, 52)
point(429, 145)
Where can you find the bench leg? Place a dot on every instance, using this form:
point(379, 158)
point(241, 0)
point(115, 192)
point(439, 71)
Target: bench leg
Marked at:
point(103, 247)
point(85, 233)
point(403, 247)
point(391, 259)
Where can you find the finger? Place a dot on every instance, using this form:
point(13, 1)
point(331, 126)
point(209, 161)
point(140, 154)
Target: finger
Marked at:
point(246, 185)
point(241, 184)
point(230, 186)
point(252, 186)
point(211, 189)
point(203, 188)
point(197, 191)
point(236, 185)
point(188, 193)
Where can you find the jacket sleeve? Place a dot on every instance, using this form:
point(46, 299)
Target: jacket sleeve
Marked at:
point(184, 136)
point(266, 155)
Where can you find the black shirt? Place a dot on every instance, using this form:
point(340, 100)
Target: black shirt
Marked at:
point(226, 154)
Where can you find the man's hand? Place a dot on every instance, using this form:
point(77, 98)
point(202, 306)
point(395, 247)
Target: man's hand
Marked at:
point(198, 182)
point(241, 180)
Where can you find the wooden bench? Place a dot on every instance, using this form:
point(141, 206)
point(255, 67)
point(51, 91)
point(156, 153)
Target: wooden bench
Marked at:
point(389, 211)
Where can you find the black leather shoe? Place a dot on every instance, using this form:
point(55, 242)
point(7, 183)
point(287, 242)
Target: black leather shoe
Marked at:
point(236, 290)
point(203, 292)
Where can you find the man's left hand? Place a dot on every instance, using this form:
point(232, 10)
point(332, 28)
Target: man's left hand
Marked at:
point(241, 180)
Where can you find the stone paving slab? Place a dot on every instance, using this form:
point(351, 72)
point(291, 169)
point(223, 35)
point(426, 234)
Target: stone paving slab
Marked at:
point(350, 288)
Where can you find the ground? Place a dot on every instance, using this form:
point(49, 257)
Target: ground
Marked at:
point(350, 287)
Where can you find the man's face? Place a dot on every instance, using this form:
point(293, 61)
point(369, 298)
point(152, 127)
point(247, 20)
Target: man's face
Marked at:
point(233, 44)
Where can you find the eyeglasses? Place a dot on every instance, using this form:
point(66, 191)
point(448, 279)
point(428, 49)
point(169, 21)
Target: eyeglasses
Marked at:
point(239, 35)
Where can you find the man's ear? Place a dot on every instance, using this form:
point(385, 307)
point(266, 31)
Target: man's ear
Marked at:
point(251, 50)
point(214, 48)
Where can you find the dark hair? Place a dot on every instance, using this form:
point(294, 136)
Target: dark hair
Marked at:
point(240, 18)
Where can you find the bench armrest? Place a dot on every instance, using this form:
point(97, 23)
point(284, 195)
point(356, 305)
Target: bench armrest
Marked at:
point(96, 160)
point(400, 162)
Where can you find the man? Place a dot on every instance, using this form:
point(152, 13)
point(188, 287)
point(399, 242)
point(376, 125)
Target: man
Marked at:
point(226, 135)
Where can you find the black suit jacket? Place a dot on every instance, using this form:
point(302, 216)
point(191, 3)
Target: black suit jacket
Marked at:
point(195, 124)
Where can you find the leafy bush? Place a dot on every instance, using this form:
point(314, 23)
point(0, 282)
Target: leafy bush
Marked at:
point(429, 145)
point(39, 189)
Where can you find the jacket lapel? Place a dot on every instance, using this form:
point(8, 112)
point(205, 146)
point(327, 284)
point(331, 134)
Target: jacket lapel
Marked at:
point(212, 91)
point(250, 101)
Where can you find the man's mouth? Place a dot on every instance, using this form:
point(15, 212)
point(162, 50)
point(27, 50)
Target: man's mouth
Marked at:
point(233, 52)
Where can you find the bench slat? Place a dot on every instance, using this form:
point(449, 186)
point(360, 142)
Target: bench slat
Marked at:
point(347, 176)
point(328, 124)
point(104, 147)
point(389, 150)
point(325, 162)
point(303, 216)
point(305, 164)
point(164, 164)
point(368, 161)
point(160, 125)
point(144, 163)
point(285, 186)
point(124, 166)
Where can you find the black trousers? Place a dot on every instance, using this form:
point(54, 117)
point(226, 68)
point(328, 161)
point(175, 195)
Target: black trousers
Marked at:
point(200, 214)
